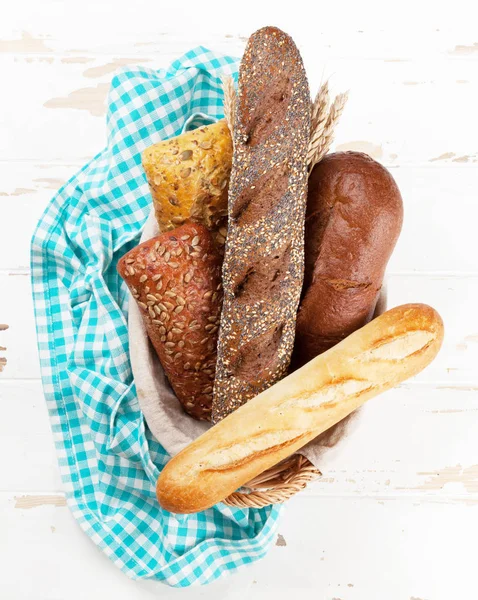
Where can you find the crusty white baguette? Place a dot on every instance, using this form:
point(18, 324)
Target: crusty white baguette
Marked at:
point(282, 419)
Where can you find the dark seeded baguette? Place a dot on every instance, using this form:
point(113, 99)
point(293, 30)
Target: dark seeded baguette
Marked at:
point(263, 265)
point(176, 280)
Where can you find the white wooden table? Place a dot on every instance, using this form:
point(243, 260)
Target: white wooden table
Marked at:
point(399, 520)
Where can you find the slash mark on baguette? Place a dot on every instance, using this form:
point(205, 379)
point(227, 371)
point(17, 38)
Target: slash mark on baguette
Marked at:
point(269, 110)
point(253, 449)
point(346, 284)
point(399, 347)
point(257, 355)
point(261, 280)
point(257, 200)
point(328, 396)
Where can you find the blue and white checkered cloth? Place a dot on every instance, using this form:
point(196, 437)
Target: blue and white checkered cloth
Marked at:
point(109, 460)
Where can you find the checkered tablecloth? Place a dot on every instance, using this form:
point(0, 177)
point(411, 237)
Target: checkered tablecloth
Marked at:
point(109, 460)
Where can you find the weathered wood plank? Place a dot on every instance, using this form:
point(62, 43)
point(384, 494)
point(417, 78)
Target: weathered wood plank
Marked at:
point(384, 456)
point(340, 548)
point(453, 297)
point(440, 205)
point(402, 113)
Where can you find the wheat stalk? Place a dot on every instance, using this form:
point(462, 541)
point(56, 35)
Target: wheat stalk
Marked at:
point(321, 101)
point(324, 118)
point(318, 119)
point(229, 102)
point(324, 121)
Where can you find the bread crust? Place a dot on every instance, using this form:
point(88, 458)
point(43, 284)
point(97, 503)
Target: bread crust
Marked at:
point(188, 176)
point(393, 347)
point(263, 265)
point(353, 220)
point(175, 279)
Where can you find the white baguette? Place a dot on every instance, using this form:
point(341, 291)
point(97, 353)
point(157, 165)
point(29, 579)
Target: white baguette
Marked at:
point(282, 419)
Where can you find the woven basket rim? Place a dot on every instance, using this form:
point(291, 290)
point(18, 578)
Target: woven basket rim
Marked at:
point(284, 480)
point(276, 485)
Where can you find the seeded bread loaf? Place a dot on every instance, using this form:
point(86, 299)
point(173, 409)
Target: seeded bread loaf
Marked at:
point(176, 280)
point(353, 219)
point(263, 265)
point(188, 176)
point(393, 347)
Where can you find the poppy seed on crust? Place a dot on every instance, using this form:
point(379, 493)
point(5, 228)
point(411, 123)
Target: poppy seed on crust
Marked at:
point(264, 256)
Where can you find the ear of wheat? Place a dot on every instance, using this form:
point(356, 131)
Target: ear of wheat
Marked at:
point(229, 102)
point(318, 119)
point(324, 119)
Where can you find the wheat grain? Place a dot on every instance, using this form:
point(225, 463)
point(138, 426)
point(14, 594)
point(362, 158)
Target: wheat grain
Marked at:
point(229, 102)
point(323, 134)
point(320, 104)
point(320, 108)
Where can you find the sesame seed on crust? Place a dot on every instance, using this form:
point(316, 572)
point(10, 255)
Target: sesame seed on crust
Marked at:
point(264, 253)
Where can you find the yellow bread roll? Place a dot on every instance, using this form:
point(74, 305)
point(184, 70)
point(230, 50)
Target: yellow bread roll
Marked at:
point(189, 176)
point(279, 421)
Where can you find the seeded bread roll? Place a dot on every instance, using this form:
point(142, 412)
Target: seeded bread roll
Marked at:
point(175, 279)
point(353, 220)
point(263, 265)
point(188, 177)
point(393, 347)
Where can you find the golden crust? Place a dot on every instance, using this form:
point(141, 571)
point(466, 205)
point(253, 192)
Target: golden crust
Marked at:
point(279, 421)
point(189, 176)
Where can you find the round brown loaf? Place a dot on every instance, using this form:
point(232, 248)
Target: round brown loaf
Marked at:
point(354, 217)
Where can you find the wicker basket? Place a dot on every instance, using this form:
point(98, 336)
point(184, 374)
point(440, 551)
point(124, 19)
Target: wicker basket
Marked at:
point(281, 482)
point(276, 485)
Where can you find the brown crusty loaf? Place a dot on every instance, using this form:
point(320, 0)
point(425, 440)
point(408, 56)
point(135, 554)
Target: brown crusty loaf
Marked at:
point(275, 424)
point(188, 176)
point(353, 219)
point(263, 265)
point(176, 280)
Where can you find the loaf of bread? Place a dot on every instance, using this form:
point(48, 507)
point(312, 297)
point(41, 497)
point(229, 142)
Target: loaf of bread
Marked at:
point(353, 219)
point(282, 419)
point(176, 280)
point(263, 265)
point(188, 177)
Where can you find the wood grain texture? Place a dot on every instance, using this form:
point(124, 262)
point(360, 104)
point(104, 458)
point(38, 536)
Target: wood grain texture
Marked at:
point(453, 297)
point(35, 466)
point(331, 546)
point(375, 459)
point(395, 516)
point(426, 191)
point(385, 116)
point(37, 500)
